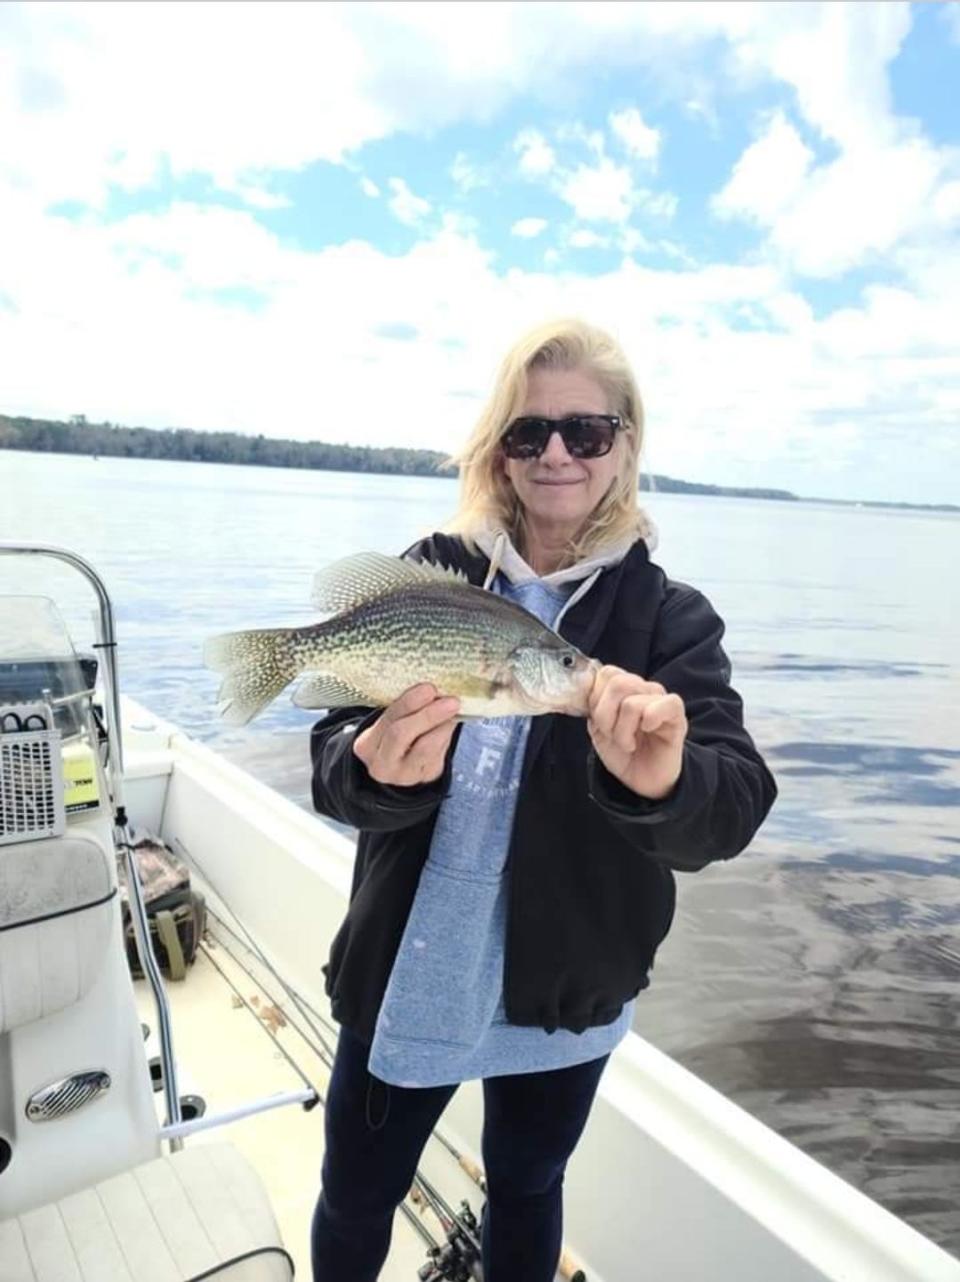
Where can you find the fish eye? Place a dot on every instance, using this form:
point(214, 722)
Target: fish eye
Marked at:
point(568, 661)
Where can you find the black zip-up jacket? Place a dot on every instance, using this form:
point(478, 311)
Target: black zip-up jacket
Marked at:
point(591, 886)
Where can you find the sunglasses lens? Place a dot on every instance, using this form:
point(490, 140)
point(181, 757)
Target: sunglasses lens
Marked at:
point(526, 438)
point(589, 437)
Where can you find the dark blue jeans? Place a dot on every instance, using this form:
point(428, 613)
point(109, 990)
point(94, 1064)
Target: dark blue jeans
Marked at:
point(374, 1137)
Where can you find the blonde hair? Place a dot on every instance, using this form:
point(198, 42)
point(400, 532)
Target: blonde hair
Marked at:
point(487, 499)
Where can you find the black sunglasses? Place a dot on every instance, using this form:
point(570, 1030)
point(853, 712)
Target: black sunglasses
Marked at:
point(584, 435)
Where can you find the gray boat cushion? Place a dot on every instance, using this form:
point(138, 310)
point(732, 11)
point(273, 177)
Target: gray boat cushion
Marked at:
point(56, 915)
point(169, 1220)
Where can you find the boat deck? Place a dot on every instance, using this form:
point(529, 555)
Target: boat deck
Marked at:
point(230, 1053)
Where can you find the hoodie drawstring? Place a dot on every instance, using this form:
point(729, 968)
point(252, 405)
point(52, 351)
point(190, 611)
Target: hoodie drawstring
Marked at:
point(500, 542)
point(580, 592)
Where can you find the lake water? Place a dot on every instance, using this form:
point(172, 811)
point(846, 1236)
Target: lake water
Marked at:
point(814, 979)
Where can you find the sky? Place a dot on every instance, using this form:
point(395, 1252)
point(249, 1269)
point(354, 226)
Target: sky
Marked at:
point(330, 221)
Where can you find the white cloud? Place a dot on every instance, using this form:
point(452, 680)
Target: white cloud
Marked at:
point(128, 94)
point(576, 131)
point(659, 204)
point(858, 207)
point(636, 136)
point(835, 56)
point(527, 228)
point(598, 193)
point(254, 196)
point(467, 176)
point(823, 220)
point(630, 240)
point(344, 75)
point(701, 109)
point(406, 206)
point(369, 187)
point(768, 175)
point(537, 157)
point(459, 224)
point(884, 189)
point(584, 238)
point(946, 204)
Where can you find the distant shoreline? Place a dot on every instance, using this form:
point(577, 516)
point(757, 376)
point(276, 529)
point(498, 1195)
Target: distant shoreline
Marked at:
point(182, 445)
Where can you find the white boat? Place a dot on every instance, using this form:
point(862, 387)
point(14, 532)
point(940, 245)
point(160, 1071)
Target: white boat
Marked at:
point(104, 1178)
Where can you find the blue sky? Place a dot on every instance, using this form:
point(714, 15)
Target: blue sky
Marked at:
point(329, 221)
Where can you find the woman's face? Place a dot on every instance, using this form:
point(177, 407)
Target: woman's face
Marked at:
point(559, 492)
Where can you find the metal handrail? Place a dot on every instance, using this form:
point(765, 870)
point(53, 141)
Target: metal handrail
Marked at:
point(107, 645)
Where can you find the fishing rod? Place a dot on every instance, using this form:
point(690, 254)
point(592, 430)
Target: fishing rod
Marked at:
point(459, 1259)
point(435, 1248)
point(471, 1229)
point(462, 1249)
point(568, 1267)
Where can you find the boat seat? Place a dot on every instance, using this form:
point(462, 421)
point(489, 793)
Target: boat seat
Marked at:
point(198, 1213)
point(56, 920)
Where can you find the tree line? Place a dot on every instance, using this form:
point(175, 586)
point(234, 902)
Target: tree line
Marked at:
point(77, 436)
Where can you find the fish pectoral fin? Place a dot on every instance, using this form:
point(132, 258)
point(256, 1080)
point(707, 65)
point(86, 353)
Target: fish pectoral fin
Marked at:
point(353, 580)
point(323, 690)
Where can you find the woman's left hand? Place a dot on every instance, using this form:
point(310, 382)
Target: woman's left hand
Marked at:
point(637, 730)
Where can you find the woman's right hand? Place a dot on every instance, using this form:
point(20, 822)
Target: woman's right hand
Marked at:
point(408, 742)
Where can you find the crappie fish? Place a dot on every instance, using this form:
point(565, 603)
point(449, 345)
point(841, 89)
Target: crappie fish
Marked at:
point(396, 623)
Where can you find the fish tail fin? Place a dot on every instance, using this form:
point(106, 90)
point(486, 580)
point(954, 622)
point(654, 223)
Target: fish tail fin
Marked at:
point(256, 667)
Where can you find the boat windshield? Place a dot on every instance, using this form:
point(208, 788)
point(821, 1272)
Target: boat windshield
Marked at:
point(39, 664)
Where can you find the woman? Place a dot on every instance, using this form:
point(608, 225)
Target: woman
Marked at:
point(514, 876)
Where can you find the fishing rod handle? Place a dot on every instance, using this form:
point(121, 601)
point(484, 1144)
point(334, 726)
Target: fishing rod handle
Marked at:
point(569, 1269)
point(473, 1170)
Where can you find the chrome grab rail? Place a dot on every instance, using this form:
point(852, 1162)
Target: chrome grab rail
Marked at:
point(107, 646)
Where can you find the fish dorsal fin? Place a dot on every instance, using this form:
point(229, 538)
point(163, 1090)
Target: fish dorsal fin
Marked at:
point(350, 582)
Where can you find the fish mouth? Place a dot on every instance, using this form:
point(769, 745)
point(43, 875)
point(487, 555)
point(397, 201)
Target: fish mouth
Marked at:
point(579, 704)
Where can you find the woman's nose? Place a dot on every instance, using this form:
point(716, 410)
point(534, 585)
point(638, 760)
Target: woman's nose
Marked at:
point(555, 451)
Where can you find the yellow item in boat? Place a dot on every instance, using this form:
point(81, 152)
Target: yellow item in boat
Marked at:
point(81, 789)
